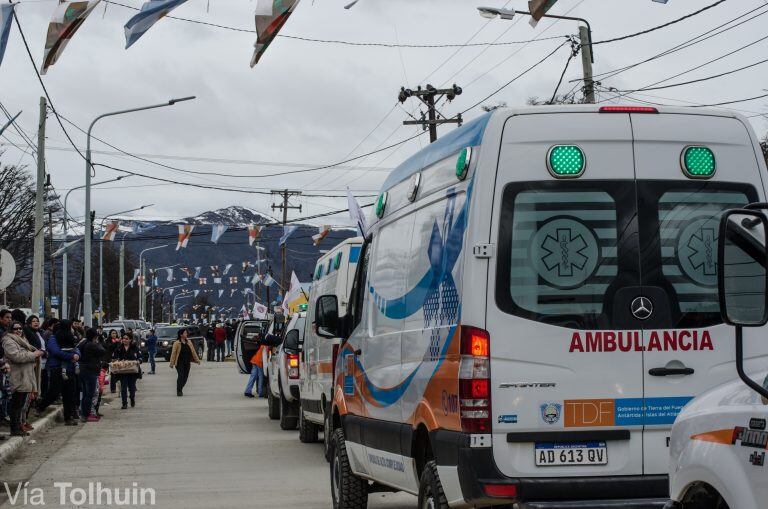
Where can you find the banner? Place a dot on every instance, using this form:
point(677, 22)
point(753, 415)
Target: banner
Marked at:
point(287, 232)
point(293, 293)
point(150, 13)
point(269, 20)
point(6, 18)
point(111, 232)
point(253, 233)
point(259, 311)
point(356, 213)
point(185, 232)
point(217, 231)
point(66, 20)
point(323, 232)
point(227, 267)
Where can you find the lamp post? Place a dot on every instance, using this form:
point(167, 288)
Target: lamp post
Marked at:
point(101, 257)
point(182, 295)
point(152, 304)
point(64, 300)
point(585, 36)
point(87, 304)
point(162, 307)
point(142, 284)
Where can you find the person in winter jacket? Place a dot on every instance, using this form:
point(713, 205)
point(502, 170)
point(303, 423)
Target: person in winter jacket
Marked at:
point(23, 359)
point(183, 354)
point(113, 341)
point(127, 351)
point(63, 357)
point(257, 374)
point(220, 336)
point(90, 367)
point(34, 336)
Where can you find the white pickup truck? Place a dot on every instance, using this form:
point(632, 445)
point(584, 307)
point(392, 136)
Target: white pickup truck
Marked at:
point(719, 440)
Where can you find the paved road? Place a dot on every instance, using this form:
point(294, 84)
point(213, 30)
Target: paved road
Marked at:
point(212, 448)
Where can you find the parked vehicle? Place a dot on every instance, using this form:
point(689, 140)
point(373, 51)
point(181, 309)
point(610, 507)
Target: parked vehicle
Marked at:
point(334, 273)
point(534, 304)
point(168, 334)
point(284, 373)
point(718, 442)
point(247, 337)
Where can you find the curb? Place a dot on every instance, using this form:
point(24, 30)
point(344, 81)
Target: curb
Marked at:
point(11, 445)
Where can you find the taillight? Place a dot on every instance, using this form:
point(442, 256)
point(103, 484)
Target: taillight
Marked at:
point(475, 380)
point(501, 490)
point(292, 360)
point(628, 109)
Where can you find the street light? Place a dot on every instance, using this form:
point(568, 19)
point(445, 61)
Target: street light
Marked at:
point(87, 304)
point(162, 297)
point(183, 295)
point(142, 302)
point(64, 303)
point(152, 305)
point(101, 257)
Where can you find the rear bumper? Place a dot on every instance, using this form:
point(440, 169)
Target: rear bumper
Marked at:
point(476, 468)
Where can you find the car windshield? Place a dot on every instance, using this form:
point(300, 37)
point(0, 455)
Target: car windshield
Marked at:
point(167, 332)
point(251, 329)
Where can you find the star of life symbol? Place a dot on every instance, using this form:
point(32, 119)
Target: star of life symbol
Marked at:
point(697, 251)
point(564, 252)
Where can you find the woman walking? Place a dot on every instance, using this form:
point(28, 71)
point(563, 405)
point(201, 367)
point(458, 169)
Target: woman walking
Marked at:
point(183, 354)
point(127, 351)
point(33, 333)
point(63, 357)
point(22, 358)
point(90, 367)
point(113, 341)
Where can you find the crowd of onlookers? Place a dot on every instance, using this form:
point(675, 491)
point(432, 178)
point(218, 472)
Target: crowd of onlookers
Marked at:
point(42, 363)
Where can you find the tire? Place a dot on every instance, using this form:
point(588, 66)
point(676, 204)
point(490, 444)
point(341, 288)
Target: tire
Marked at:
point(308, 431)
point(273, 405)
point(347, 490)
point(287, 422)
point(431, 494)
point(327, 435)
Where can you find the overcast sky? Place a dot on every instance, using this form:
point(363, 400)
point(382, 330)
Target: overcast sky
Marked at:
point(308, 103)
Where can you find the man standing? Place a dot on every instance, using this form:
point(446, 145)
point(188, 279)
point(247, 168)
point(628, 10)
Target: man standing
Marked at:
point(220, 336)
point(230, 337)
point(210, 342)
point(151, 343)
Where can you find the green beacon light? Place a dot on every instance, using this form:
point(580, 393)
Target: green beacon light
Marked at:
point(462, 163)
point(302, 307)
point(698, 162)
point(381, 205)
point(566, 161)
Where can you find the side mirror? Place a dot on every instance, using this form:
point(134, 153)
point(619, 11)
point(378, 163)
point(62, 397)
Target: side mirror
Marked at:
point(327, 316)
point(742, 273)
point(291, 341)
point(742, 280)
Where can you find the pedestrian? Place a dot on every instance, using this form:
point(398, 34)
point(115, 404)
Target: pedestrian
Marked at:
point(34, 336)
point(113, 341)
point(183, 354)
point(257, 374)
point(90, 367)
point(230, 337)
point(151, 343)
point(22, 358)
point(127, 351)
point(63, 358)
point(210, 342)
point(220, 337)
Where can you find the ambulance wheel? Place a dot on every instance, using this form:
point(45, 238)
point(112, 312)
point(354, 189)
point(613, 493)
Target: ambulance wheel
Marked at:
point(287, 421)
point(327, 435)
point(347, 490)
point(308, 431)
point(431, 495)
point(273, 406)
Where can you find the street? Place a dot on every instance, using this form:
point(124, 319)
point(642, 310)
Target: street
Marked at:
point(211, 448)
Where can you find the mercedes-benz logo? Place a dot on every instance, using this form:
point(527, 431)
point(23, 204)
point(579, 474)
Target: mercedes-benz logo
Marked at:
point(642, 308)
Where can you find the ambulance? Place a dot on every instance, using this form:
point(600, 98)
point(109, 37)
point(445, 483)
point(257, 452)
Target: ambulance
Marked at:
point(535, 302)
point(719, 440)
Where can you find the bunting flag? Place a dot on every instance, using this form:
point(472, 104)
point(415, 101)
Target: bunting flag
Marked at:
point(215, 270)
point(185, 232)
point(187, 271)
point(287, 232)
point(207, 308)
point(246, 265)
point(134, 278)
point(356, 213)
point(293, 293)
point(6, 18)
point(66, 20)
point(217, 280)
point(248, 291)
point(197, 292)
point(151, 12)
point(247, 279)
point(140, 280)
point(221, 292)
point(271, 15)
point(323, 232)
point(197, 272)
point(217, 231)
point(111, 232)
point(244, 311)
point(232, 292)
point(227, 267)
point(171, 290)
point(155, 281)
point(268, 281)
point(253, 233)
point(169, 270)
point(233, 280)
point(185, 279)
point(141, 227)
point(203, 280)
point(259, 311)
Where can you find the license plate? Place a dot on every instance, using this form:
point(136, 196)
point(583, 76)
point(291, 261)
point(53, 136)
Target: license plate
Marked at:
point(568, 454)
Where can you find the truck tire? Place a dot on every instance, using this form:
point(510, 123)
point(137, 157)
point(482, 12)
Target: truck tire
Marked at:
point(431, 495)
point(287, 421)
point(308, 431)
point(327, 435)
point(273, 405)
point(347, 490)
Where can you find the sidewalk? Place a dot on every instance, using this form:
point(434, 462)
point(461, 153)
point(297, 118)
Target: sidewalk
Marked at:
point(11, 445)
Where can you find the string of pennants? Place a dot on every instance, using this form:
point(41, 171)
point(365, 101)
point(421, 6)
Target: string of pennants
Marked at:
point(218, 276)
point(69, 16)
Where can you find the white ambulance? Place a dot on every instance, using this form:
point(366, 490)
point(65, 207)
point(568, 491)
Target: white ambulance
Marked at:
point(533, 306)
point(719, 440)
point(334, 273)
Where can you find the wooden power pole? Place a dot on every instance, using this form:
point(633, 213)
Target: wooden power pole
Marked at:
point(286, 195)
point(432, 118)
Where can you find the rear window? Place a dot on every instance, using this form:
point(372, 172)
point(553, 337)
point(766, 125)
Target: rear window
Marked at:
point(575, 254)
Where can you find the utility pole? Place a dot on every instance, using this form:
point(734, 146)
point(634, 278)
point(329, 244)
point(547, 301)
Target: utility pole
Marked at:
point(286, 194)
point(586, 63)
point(432, 118)
point(39, 242)
point(121, 295)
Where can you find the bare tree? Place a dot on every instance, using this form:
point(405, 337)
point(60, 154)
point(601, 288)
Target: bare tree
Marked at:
point(17, 219)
